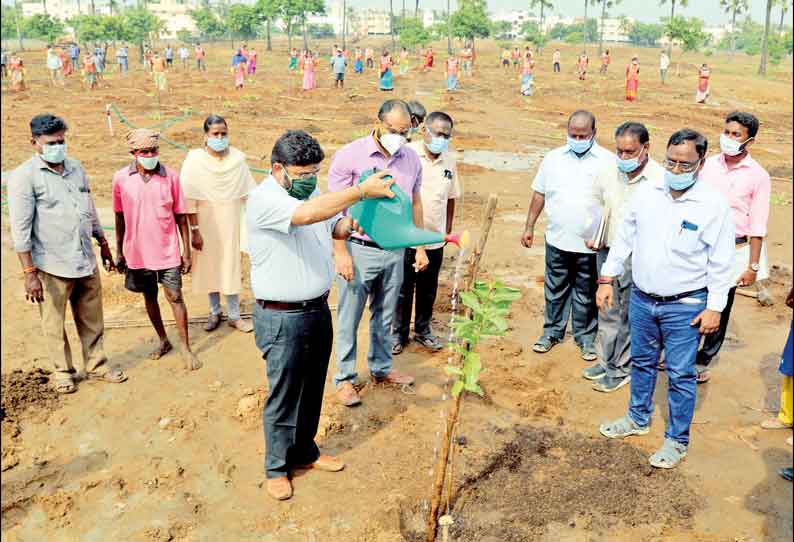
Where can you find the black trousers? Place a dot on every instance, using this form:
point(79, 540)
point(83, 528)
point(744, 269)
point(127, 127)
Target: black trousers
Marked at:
point(297, 347)
point(712, 343)
point(425, 283)
point(570, 283)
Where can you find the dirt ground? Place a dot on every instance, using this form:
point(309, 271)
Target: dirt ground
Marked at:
point(177, 456)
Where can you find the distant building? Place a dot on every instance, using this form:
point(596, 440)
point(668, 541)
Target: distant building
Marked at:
point(65, 9)
point(176, 16)
point(373, 22)
point(612, 29)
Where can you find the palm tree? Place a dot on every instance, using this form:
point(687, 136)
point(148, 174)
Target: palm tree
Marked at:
point(765, 43)
point(584, 30)
point(605, 4)
point(449, 29)
point(44, 6)
point(542, 4)
point(734, 7)
point(416, 9)
point(344, 23)
point(391, 22)
point(683, 4)
point(784, 5)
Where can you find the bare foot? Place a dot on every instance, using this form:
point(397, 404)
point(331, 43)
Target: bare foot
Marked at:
point(191, 361)
point(164, 348)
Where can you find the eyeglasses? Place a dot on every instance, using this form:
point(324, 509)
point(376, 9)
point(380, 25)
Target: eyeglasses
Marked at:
point(304, 176)
point(684, 167)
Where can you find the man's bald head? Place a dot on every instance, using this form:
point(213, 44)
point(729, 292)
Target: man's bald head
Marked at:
point(581, 125)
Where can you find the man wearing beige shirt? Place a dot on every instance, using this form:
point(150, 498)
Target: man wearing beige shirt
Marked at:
point(440, 188)
point(613, 187)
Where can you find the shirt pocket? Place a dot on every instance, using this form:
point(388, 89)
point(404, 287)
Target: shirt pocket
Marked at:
point(685, 241)
point(164, 208)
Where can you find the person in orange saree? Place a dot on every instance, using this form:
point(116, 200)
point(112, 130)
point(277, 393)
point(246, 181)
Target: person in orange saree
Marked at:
point(704, 88)
point(632, 79)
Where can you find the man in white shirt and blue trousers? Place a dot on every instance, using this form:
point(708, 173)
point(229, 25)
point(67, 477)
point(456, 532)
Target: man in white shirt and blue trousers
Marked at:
point(680, 237)
point(563, 187)
point(290, 227)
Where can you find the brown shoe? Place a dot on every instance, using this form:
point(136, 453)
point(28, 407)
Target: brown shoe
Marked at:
point(326, 463)
point(394, 378)
point(279, 488)
point(213, 321)
point(347, 394)
point(241, 325)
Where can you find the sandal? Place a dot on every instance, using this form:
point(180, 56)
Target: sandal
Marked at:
point(113, 375)
point(544, 344)
point(669, 455)
point(704, 375)
point(65, 385)
point(622, 427)
point(397, 348)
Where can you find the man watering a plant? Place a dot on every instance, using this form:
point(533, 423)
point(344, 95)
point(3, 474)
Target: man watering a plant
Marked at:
point(613, 186)
point(440, 188)
point(290, 227)
point(679, 234)
point(366, 271)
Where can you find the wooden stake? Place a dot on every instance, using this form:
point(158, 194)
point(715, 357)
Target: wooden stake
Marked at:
point(110, 119)
point(452, 417)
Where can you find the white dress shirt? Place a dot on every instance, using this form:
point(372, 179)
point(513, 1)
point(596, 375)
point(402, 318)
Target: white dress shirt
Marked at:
point(676, 246)
point(566, 181)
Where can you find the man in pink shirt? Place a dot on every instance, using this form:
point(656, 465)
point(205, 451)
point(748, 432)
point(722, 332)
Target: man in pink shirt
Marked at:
point(746, 186)
point(148, 202)
point(366, 271)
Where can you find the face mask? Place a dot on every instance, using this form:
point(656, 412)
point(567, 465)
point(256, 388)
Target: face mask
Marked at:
point(301, 188)
point(731, 147)
point(437, 145)
point(680, 181)
point(218, 144)
point(392, 142)
point(148, 162)
point(628, 165)
point(53, 154)
point(580, 146)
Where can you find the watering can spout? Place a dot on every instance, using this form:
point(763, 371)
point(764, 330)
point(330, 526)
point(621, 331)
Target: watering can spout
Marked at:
point(461, 239)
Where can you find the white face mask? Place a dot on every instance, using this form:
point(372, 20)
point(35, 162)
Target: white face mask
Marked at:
point(730, 146)
point(392, 142)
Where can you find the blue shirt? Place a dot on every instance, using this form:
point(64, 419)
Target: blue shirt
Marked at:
point(74, 51)
point(288, 263)
point(676, 245)
point(236, 59)
point(566, 181)
point(169, 53)
point(52, 216)
point(338, 64)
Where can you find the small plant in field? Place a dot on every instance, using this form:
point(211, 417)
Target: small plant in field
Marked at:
point(489, 304)
point(779, 198)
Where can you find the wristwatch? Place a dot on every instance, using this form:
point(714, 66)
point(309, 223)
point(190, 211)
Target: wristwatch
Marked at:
point(194, 227)
point(755, 267)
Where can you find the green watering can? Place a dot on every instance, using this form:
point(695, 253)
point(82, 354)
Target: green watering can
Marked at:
point(390, 223)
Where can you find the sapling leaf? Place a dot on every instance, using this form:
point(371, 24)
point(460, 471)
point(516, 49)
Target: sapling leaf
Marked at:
point(474, 388)
point(470, 300)
point(453, 370)
point(457, 387)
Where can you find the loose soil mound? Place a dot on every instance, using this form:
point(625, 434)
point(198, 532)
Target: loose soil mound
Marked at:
point(545, 479)
point(21, 391)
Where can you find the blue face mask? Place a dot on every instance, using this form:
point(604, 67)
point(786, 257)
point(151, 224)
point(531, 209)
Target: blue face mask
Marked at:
point(680, 181)
point(628, 165)
point(53, 154)
point(580, 146)
point(148, 162)
point(218, 144)
point(437, 144)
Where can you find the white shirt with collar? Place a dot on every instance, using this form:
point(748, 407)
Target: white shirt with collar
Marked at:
point(613, 189)
point(566, 181)
point(676, 245)
point(440, 183)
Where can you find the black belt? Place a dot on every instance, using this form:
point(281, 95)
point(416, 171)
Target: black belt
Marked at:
point(675, 297)
point(364, 242)
point(315, 303)
point(742, 240)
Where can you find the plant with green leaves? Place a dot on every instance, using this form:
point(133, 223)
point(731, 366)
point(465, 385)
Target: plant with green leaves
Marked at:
point(44, 27)
point(489, 305)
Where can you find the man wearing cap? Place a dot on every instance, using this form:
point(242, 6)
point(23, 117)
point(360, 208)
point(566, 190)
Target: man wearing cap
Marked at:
point(149, 205)
point(290, 227)
point(53, 219)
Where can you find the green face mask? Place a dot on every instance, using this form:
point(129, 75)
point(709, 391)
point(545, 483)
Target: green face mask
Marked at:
point(301, 188)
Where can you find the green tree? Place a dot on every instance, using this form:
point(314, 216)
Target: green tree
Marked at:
point(413, 33)
point(44, 27)
point(734, 8)
point(11, 20)
point(242, 21)
point(184, 35)
point(141, 24)
point(319, 31)
point(642, 34)
point(502, 29)
point(471, 20)
point(543, 5)
point(532, 33)
point(688, 32)
point(605, 5)
point(294, 14)
point(683, 4)
point(209, 25)
point(765, 43)
point(267, 11)
point(784, 6)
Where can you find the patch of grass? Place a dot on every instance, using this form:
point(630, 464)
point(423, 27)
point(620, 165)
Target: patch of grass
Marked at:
point(778, 198)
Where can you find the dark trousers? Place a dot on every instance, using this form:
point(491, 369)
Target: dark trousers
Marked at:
point(713, 341)
point(426, 285)
point(570, 282)
point(297, 348)
point(556, 67)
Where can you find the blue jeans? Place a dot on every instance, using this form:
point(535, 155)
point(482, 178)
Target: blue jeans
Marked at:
point(297, 348)
point(232, 304)
point(123, 64)
point(656, 325)
point(377, 276)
